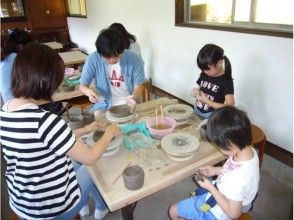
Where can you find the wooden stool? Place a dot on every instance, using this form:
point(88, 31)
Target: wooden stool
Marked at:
point(259, 139)
point(15, 217)
point(245, 216)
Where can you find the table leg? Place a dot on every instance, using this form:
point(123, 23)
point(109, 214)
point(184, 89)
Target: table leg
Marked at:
point(128, 211)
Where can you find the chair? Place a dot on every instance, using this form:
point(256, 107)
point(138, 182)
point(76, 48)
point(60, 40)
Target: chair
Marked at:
point(83, 102)
point(259, 139)
point(15, 217)
point(146, 93)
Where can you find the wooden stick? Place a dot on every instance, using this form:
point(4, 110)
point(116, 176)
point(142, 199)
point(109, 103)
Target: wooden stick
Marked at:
point(161, 112)
point(146, 95)
point(156, 118)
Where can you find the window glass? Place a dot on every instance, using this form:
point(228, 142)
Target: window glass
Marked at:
point(266, 17)
point(242, 11)
point(76, 8)
point(211, 11)
point(275, 12)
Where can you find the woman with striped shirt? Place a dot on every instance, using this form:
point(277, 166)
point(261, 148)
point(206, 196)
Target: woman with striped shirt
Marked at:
point(38, 146)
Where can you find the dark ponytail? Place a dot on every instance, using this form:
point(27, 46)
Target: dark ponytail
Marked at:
point(228, 68)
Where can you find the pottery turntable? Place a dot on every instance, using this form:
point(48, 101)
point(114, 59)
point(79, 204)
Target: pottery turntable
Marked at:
point(113, 146)
point(180, 146)
point(119, 114)
point(180, 112)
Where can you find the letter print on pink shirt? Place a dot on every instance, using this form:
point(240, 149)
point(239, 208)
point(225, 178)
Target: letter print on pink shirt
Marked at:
point(115, 80)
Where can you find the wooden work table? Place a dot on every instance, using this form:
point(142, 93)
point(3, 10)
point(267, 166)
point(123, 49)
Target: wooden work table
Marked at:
point(54, 45)
point(160, 172)
point(73, 57)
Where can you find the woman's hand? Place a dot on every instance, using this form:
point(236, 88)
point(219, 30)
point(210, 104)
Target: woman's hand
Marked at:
point(95, 126)
point(112, 130)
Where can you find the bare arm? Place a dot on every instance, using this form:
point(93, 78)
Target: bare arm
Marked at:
point(232, 208)
point(93, 95)
point(94, 126)
point(137, 93)
point(210, 170)
point(88, 156)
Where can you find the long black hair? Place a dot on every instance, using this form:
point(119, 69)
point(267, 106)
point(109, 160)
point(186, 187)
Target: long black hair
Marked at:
point(210, 54)
point(126, 35)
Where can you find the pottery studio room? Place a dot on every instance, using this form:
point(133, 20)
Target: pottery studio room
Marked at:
point(124, 109)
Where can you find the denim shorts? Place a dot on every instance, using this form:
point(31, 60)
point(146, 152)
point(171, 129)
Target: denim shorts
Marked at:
point(200, 114)
point(190, 208)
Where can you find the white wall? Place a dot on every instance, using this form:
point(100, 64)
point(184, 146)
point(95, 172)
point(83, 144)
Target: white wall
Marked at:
point(262, 65)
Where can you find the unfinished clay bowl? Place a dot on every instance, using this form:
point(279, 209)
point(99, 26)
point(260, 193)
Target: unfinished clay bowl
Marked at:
point(120, 111)
point(88, 117)
point(67, 88)
point(203, 133)
point(133, 177)
point(76, 122)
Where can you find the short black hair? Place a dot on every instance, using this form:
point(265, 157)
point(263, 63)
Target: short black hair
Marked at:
point(37, 72)
point(229, 125)
point(110, 43)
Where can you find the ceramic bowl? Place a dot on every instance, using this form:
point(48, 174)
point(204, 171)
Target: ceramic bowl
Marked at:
point(158, 132)
point(133, 177)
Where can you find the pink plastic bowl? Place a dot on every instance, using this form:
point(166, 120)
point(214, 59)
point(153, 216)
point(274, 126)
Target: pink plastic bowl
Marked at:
point(160, 133)
point(69, 71)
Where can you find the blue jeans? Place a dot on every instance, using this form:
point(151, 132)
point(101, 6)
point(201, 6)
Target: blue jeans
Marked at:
point(87, 186)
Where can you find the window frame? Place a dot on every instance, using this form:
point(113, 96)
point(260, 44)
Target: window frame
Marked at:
point(266, 29)
point(69, 14)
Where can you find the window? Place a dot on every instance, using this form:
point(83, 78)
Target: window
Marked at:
point(267, 17)
point(76, 8)
point(12, 10)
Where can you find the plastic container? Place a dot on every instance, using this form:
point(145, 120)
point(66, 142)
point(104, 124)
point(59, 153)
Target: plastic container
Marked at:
point(158, 134)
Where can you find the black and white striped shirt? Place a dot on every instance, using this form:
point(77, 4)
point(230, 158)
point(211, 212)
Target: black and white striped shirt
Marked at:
point(40, 177)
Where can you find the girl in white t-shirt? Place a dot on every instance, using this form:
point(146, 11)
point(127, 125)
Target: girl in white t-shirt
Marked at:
point(237, 181)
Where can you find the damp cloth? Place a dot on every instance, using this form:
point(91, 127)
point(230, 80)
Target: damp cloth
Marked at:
point(136, 136)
